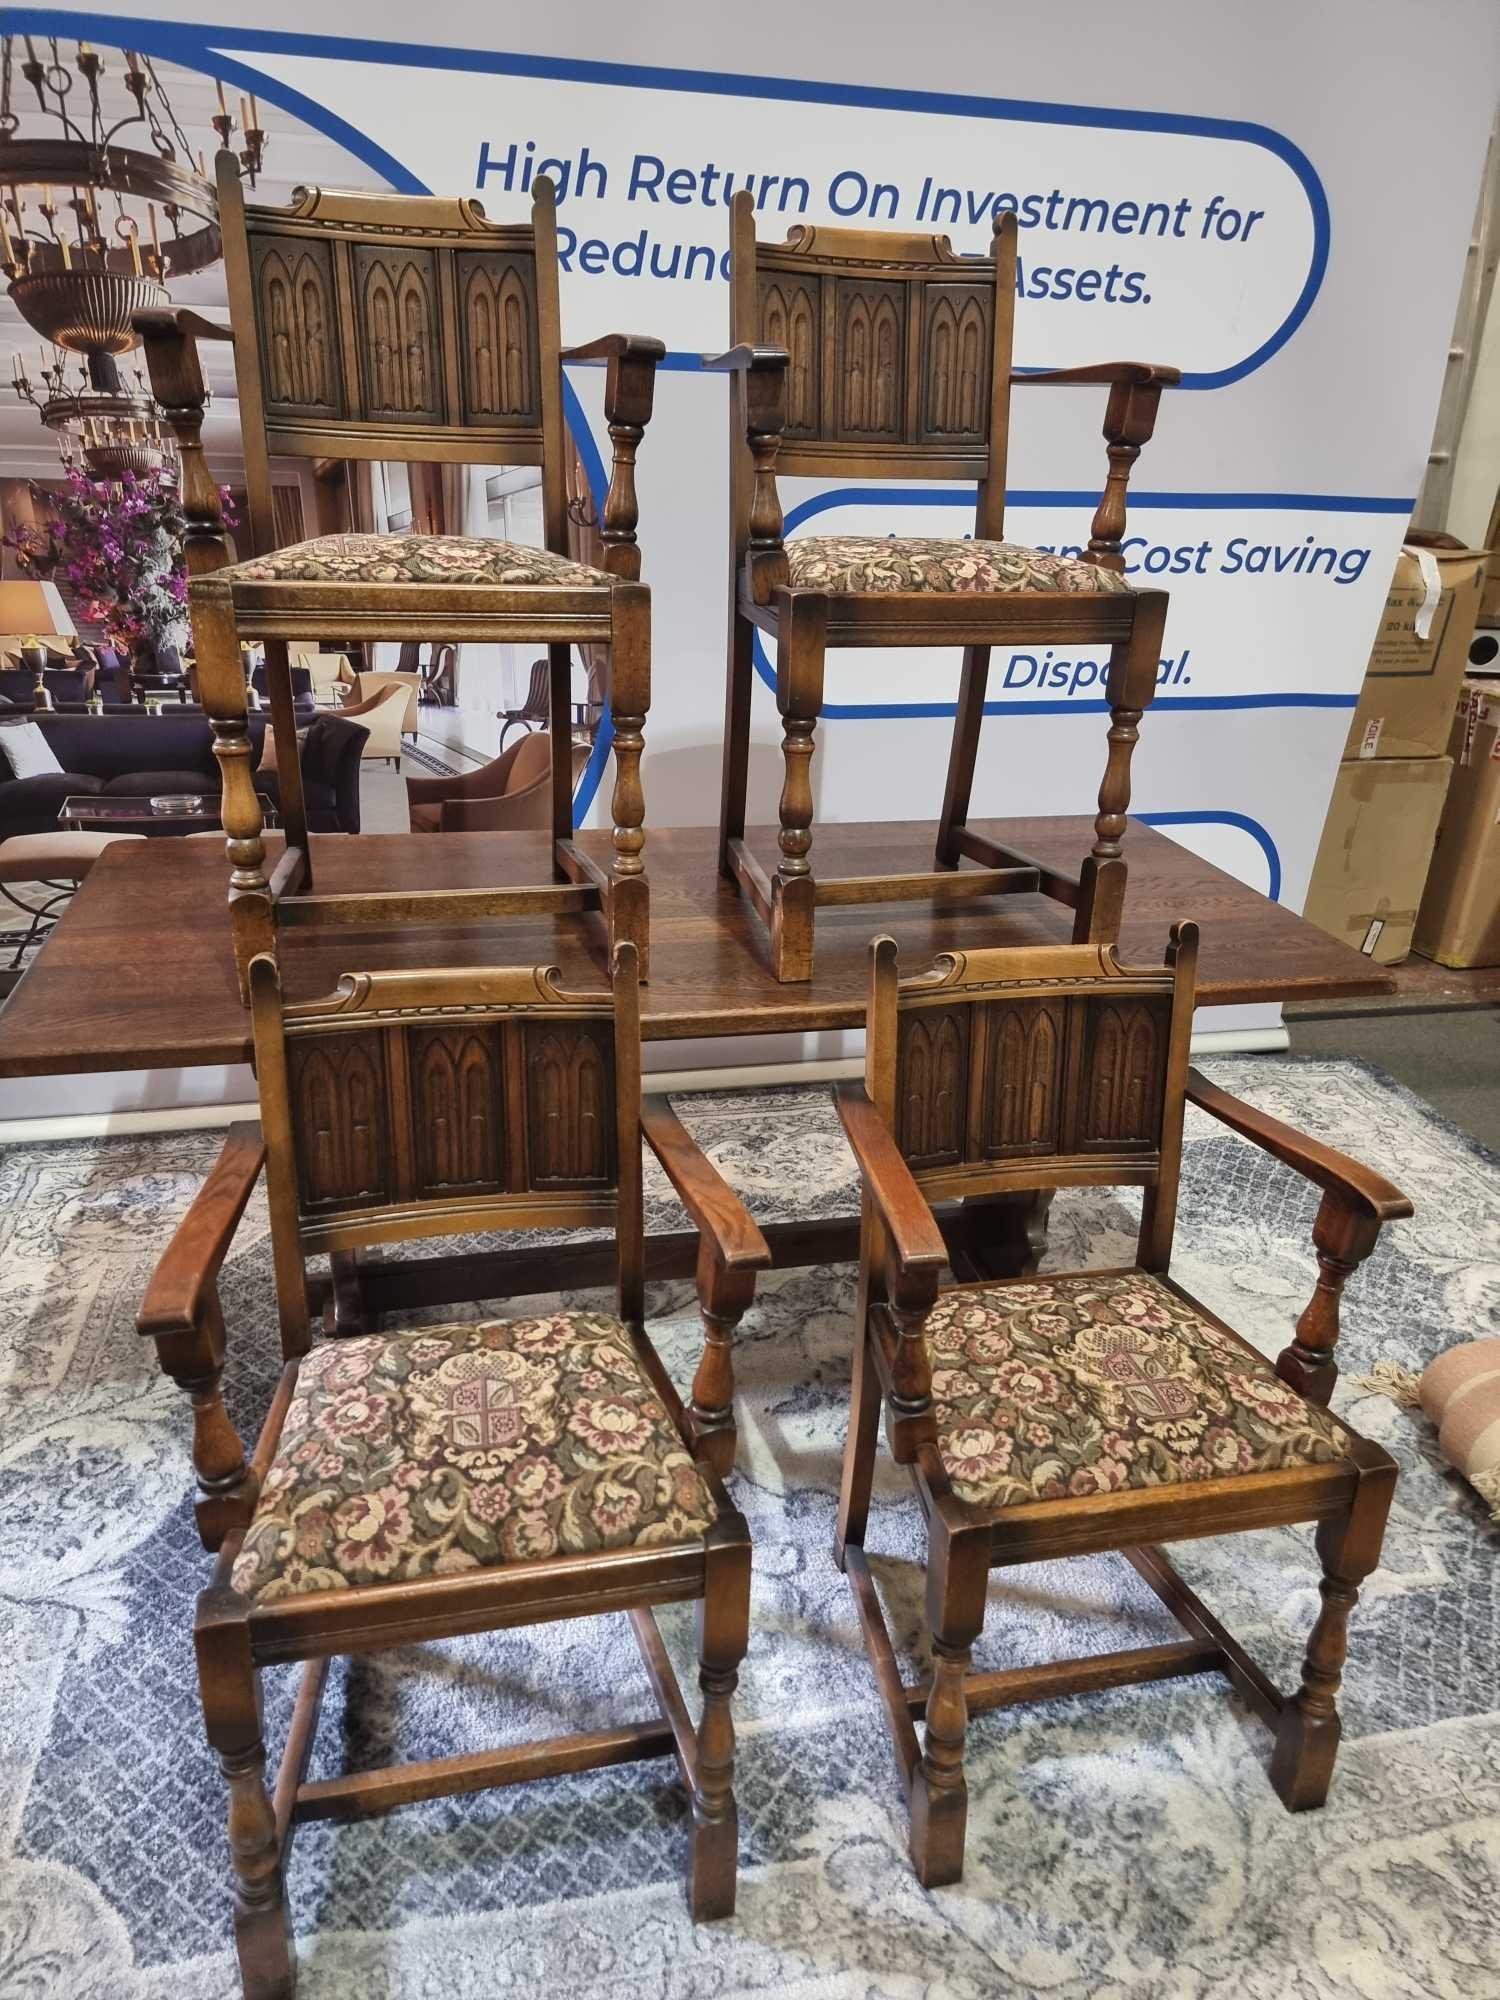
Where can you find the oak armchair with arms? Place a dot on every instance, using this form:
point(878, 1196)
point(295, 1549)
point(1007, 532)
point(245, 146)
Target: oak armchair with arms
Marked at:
point(1076, 1412)
point(870, 354)
point(318, 291)
point(495, 1474)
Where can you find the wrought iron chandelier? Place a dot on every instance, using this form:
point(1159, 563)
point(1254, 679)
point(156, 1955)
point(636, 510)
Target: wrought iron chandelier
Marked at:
point(107, 432)
point(102, 201)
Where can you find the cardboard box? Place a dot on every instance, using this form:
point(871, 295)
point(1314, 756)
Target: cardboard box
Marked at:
point(1374, 854)
point(1459, 921)
point(1406, 703)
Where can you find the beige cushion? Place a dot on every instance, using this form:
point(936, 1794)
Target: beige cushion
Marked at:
point(26, 751)
point(43, 857)
point(1460, 1392)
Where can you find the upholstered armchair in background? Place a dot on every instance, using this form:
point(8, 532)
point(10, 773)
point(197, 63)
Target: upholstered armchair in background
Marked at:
point(330, 750)
point(366, 685)
point(512, 792)
point(382, 713)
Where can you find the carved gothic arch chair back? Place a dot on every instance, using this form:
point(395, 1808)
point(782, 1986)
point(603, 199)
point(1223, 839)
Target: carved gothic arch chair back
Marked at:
point(420, 1104)
point(869, 354)
point(401, 327)
point(1077, 1412)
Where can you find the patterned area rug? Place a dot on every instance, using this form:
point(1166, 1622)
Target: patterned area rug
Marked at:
point(1124, 1844)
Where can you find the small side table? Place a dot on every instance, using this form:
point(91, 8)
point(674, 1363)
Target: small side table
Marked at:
point(91, 812)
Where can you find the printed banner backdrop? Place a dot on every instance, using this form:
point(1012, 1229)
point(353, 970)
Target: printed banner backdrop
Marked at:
point(1278, 203)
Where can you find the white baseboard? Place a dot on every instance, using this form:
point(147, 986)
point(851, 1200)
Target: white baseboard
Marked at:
point(750, 1076)
point(123, 1124)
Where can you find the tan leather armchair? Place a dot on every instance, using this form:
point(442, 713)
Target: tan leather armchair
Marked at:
point(512, 792)
point(366, 685)
point(381, 715)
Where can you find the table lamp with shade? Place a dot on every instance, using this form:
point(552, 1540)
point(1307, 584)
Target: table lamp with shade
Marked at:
point(30, 610)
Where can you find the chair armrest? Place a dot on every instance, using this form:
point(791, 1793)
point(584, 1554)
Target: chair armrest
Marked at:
point(915, 1237)
point(1137, 374)
point(618, 347)
point(747, 359)
point(476, 784)
point(1360, 1187)
point(178, 323)
point(503, 812)
point(1129, 420)
point(629, 392)
point(708, 1198)
point(174, 369)
point(763, 373)
point(185, 1274)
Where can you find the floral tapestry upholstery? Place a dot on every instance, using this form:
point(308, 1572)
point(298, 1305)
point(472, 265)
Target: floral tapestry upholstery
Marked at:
point(860, 564)
point(463, 1447)
point(1088, 1384)
point(465, 559)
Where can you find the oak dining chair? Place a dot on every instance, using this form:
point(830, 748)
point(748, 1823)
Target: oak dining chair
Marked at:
point(488, 1475)
point(1074, 1412)
point(871, 354)
point(405, 327)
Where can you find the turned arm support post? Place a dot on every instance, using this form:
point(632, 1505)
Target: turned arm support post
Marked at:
point(174, 368)
point(1129, 419)
point(761, 373)
point(1356, 1204)
point(730, 1252)
point(629, 390)
point(916, 1255)
point(182, 1314)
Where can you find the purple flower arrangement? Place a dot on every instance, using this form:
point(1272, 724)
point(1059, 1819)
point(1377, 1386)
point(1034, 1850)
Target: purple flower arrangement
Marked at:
point(116, 544)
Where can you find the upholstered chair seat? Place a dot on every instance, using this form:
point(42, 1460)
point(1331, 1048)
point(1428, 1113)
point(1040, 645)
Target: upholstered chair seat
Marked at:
point(418, 559)
point(461, 1447)
point(1082, 1384)
point(855, 565)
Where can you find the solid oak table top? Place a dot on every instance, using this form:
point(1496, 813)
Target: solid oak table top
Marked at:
point(139, 974)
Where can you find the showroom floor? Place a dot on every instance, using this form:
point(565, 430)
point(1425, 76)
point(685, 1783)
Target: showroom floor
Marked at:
point(1452, 1059)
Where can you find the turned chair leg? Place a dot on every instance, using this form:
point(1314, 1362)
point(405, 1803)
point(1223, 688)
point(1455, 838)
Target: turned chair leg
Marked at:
point(232, 1715)
point(1307, 1737)
point(859, 1451)
point(957, 1573)
point(723, 1635)
point(629, 702)
point(963, 754)
point(738, 693)
point(723, 1297)
point(1133, 667)
point(802, 625)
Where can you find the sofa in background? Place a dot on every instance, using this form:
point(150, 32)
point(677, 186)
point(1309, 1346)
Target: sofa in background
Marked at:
point(136, 755)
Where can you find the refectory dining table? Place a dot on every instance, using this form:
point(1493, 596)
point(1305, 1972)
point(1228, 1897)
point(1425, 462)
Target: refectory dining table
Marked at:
point(139, 973)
